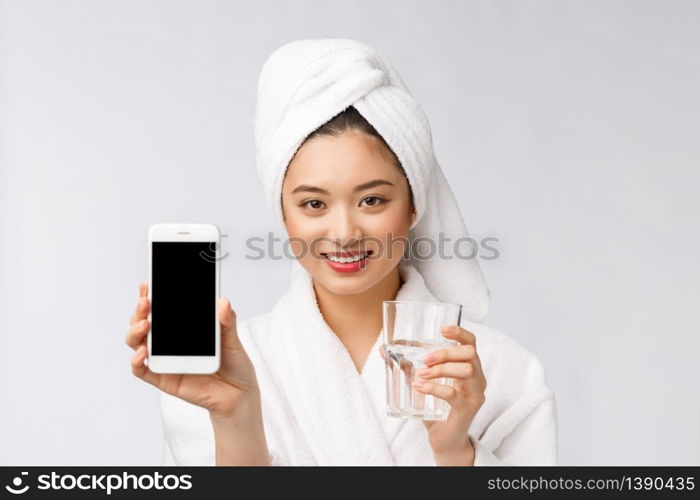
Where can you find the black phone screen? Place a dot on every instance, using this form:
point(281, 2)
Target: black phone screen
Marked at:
point(183, 298)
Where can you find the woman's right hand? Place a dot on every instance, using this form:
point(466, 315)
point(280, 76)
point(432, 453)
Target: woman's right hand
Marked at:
point(230, 393)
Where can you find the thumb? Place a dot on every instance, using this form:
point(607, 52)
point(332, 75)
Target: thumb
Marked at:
point(227, 318)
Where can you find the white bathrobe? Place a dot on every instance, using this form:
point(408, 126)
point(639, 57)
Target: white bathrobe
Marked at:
point(318, 410)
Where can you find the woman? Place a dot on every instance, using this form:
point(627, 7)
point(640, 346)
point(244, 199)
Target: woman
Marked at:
point(345, 156)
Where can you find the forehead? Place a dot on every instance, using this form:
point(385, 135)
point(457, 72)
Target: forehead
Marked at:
point(349, 158)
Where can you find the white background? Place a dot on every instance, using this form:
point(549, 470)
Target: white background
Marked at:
point(568, 130)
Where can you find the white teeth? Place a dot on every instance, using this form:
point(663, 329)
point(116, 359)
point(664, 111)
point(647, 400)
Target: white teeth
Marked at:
point(345, 260)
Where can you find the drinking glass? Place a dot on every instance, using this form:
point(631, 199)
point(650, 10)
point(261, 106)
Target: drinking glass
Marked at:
point(411, 331)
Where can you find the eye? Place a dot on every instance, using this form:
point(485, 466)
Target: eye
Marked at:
point(378, 201)
point(306, 204)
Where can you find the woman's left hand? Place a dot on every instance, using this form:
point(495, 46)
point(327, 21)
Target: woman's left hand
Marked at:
point(448, 438)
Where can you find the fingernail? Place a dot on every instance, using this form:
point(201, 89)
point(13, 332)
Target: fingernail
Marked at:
point(429, 358)
point(418, 384)
point(424, 372)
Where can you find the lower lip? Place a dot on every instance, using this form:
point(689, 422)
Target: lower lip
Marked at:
point(350, 267)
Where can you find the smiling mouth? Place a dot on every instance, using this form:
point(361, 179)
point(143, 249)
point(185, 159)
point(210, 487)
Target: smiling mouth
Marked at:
point(346, 257)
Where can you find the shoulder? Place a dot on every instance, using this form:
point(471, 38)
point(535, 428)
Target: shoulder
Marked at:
point(256, 333)
point(510, 368)
point(520, 409)
point(253, 330)
point(254, 322)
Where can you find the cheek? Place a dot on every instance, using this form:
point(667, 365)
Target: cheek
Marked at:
point(303, 235)
point(391, 223)
point(389, 234)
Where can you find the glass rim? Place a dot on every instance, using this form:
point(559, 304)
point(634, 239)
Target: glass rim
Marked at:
point(422, 303)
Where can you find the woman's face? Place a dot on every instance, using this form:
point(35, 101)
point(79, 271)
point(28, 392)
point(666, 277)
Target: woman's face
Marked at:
point(329, 208)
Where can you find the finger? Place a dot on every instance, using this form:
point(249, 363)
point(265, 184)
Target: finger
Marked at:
point(140, 370)
point(441, 391)
point(137, 333)
point(143, 289)
point(141, 312)
point(455, 332)
point(461, 370)
point(227, 319)
point(455, 353)
point(382, 352)
point(464, 337)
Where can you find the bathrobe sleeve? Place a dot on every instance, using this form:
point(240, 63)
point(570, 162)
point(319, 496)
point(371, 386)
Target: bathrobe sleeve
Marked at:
point(275, 458)
point(167, 454)
point(532, 442)
point(519, 425)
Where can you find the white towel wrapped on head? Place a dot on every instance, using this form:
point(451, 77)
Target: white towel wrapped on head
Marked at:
point(304, 84)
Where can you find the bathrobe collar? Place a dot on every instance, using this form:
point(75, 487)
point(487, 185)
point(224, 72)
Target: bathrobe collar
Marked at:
point(342, 413)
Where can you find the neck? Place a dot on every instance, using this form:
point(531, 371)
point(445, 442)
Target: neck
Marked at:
point(359, 314)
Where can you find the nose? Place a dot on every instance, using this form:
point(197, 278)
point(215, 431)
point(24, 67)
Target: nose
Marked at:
point(345, 231)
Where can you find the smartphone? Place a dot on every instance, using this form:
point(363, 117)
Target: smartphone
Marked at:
point(183, 288)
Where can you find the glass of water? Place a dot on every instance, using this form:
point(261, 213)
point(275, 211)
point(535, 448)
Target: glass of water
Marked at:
point(411, 331)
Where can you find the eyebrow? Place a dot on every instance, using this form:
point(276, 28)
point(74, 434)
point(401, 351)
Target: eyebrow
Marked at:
point(361, 187)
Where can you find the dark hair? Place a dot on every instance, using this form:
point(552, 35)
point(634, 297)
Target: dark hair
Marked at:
point(351, 119)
